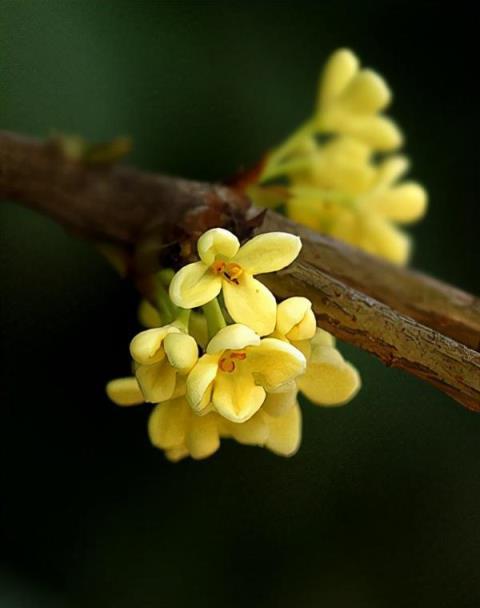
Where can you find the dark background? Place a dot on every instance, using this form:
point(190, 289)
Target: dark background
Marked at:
point(380, 508)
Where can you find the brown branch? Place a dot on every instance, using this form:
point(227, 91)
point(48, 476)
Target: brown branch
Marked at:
point(408, 320)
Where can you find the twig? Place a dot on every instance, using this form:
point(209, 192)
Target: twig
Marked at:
point(408, 320)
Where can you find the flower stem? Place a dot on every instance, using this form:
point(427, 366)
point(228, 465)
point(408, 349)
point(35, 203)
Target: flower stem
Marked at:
point(278, 155)
point(215, 319)
point(183, 318)
point(168, 310)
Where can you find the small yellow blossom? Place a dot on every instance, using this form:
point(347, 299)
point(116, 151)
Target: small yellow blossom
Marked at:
point(364, 216)
point(350, 100)
point(281, 433)
point(227, 267)
point(295, 319)
point(328, 378)
point(176, 429)
point(335, 185)
point(238, 369)
point(125, 391)
point(244, 386)
point(160, 354)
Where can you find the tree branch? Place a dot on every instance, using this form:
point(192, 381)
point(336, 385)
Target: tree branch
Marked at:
point(407, 319)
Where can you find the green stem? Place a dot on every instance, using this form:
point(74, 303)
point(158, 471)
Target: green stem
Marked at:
point(168, 310)
point(285, 168)
point(288, 145)
point(183, 318)
point(165, 276)
point(215, 319)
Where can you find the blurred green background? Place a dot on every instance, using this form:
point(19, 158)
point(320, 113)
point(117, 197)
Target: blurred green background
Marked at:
point(380, 508)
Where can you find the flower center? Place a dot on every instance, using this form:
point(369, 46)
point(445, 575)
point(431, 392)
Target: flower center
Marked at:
point(229, 360)
point(230, 270)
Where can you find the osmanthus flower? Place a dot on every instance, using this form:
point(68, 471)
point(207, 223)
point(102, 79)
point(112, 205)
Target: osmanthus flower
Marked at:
point(227, 267)
point(177, 430)
point(238, 369)
point(367, 211)
point(350, 100)
point(330, 178)
point(279, 432)
point(349, 104)
point(328, 378)
point(161, 355)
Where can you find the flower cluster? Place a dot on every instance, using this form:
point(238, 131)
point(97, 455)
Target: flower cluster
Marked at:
point(341, 175)
point(233, 367)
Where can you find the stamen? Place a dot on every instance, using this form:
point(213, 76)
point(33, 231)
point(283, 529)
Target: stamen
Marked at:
point(230, 270)
point(226, 364)
point(218, 267)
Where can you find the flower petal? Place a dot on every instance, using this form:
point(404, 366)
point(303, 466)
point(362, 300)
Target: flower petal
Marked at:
point(200, 380)
point(194, 285)
point(329, 379)
point(232, 337)
point(381, 238)
point(274, 362)
point(156, 381)
point(390, 170)
point(295, 319)
point(125, 391)
point(252, 432)
point(279, 402)
point(182, 351)
point(366, 93)
point(285, 432)
point(322, 338)
point(146, 347)
point(217, 242)
point(177, 453)
point(167, 423)
point(268, 252)
point(379, 132)
point(404, 203)
point(339, 70)
point(202, 438)
point(251, 303)
point(236, 396)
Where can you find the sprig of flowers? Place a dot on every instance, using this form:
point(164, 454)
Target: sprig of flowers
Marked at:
point(233, 367)
point(337, 174)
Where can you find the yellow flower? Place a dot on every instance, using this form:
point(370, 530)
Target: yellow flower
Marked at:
point(295, 319)
point(280, 433)
point(328, 378)
point(238, 369)
point(342, 165)
point(160, 354)
point(227, 267)
point(175, 428)
point(349, 101)
point(364, 216)
point(125, 391)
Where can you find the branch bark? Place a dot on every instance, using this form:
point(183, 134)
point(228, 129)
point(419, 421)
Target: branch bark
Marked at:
point(407, 319)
